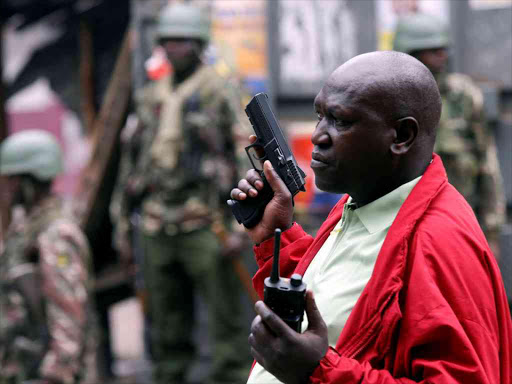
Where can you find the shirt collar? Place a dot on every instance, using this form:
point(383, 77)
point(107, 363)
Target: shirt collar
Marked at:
point(381, 213)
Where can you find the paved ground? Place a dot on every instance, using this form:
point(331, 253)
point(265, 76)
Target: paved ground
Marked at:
point(127, 343)
point(132, 366)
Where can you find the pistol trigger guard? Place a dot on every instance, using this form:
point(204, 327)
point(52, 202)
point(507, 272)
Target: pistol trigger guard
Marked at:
point(253, 156)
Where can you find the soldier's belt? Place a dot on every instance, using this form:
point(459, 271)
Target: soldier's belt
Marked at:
point(152, 224)
point(187, 226)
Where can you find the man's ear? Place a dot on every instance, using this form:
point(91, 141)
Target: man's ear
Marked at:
point(406, 133)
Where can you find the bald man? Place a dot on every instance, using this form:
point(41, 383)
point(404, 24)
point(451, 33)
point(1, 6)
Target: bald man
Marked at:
point(402, 285)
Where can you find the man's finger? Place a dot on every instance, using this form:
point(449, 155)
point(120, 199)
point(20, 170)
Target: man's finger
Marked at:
point(257, 356)
point(254, 178)
point(271, 320)
point(237, 194)
point(275, 182)
point(246, 186)
point(256, 325)
point(260, 152)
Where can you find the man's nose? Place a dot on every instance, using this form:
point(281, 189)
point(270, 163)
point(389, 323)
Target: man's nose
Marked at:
point(320, 136)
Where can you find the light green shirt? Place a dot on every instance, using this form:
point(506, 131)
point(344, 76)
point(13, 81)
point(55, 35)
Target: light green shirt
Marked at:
point(342, 267)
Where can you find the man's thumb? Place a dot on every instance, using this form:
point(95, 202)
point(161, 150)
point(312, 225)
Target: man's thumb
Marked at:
point(315, 321)
point(275, 182)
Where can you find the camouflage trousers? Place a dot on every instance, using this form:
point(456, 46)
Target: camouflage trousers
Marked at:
point(176, 268)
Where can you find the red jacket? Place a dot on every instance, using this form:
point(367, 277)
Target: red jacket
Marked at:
point(434, 309)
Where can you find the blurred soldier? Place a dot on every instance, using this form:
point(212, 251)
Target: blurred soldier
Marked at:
point(46, 321)
point(183, 166)
point(464, 142)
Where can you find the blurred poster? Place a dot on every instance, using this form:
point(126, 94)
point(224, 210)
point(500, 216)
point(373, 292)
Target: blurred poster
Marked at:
point(490, 4)
point(389, 11)
point(315, 37)
point(239, 37)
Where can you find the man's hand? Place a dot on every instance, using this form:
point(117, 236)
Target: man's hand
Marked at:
point(125, 252)
point(289, 356)
point(278, 212)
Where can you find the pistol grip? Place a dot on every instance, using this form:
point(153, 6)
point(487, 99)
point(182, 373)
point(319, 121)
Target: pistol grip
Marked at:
point(250, 211)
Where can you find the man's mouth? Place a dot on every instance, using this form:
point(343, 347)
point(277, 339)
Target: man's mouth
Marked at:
point(318, 161)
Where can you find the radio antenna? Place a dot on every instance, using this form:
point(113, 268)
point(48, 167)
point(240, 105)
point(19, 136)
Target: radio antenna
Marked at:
point(274, 276)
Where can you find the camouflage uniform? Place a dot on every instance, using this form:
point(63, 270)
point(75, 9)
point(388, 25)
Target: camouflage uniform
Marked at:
point(468, 150)
point(185, 165)
point(125, 205)
point(56, 342)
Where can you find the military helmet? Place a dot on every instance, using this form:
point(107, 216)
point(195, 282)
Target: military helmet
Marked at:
point(34, 152)
point(420, 31)
point(179, 20)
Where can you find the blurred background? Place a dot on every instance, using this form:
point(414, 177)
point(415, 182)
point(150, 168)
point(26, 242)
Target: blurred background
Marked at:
point(72, 67)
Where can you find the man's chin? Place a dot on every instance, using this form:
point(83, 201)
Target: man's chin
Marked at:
point(326, 186)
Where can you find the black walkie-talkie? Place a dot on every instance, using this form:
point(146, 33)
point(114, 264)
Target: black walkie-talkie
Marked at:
point(286, 297)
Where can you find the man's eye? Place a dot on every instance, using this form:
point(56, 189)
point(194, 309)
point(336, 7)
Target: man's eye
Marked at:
point(341, 123)
point(319, 116)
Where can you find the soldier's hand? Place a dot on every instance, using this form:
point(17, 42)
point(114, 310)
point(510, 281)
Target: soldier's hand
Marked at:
point(132, 184)
point(278, 212)
point(126, 257)
point(234, 245)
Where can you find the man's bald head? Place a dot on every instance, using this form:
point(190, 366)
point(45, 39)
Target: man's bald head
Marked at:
point(377, 115)
point(397, 84)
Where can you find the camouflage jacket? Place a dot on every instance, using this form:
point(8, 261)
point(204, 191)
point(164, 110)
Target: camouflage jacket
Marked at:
point(46, 325)
point(187, 154)
point(127, 198)
point(468, 150)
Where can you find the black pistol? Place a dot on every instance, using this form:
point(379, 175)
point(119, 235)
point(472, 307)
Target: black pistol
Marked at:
point(286, 297)
point(271, 140)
